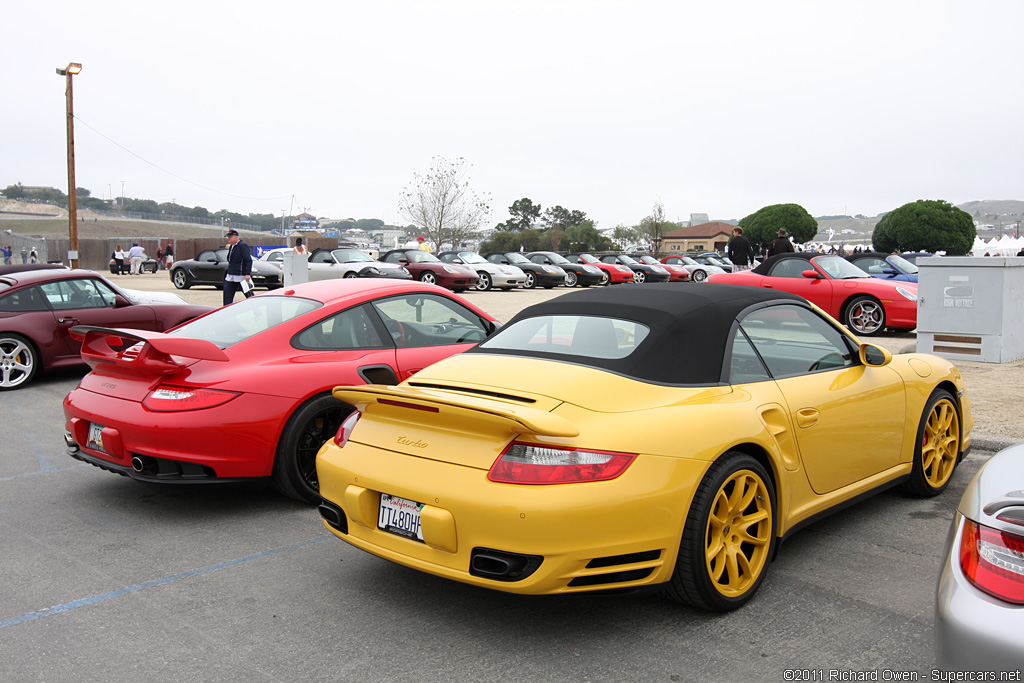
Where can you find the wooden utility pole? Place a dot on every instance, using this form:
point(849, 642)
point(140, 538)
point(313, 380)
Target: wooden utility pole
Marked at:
point(70, 71)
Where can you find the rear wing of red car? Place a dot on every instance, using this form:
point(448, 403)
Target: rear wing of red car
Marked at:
point(143, 349)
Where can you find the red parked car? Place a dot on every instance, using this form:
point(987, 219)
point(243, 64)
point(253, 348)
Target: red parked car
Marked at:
point(39, 305)
point(614, 273)
point(426, 267)
point(245, 392)
point(865, 304)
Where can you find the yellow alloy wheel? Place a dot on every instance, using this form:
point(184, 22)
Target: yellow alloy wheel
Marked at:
point(738, 533)
point(940, 443)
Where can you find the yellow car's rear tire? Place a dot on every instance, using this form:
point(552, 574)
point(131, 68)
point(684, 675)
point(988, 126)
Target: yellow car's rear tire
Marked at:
point(938, 446)
point(728, 538)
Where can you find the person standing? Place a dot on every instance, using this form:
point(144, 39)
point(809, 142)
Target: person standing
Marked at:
point(781, 244)
point(423, 245)
point(159, 258)
point(239, 267)
point(33, 257)
point(135, 256)
point(169, 256)
point(119, 260)
point(739, 250)
point(7, 255)
point(300, 248)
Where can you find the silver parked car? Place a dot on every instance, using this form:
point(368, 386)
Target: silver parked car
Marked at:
point(979, 616)
point(329, 264)
point(490, 274)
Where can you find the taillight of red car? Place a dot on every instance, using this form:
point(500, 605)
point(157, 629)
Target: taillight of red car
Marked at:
point(526, 463)
point(993, 561)
point(172, 398)
point(345, 430)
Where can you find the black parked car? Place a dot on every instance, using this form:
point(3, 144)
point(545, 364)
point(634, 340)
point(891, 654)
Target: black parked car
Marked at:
point(209, 267)
point(546, 276)
point(149, 265)
point(575, 273)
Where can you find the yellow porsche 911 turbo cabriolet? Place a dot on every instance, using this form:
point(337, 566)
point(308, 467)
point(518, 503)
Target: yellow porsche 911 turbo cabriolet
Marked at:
point(619, 440)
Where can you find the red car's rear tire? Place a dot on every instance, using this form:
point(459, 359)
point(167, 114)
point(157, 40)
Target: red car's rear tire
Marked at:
point(310, 426)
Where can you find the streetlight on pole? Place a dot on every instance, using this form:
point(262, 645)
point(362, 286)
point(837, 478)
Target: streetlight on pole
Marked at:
point(122, 194)
point(72, 69)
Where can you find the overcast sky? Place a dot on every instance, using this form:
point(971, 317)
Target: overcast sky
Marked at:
point(709, 107)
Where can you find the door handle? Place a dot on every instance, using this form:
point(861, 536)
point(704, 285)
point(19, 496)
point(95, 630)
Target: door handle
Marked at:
point(807, 417)
point(64, 321)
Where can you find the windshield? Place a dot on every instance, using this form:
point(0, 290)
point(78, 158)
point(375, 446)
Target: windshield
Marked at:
point(516, 257)
point(471, 257)
point(589, 258)
point(627, 259)
point(902, 263)
point(350, 256)
point(555, 258)
point(247, 318)
point(421, 257)
point(650, 260)
point(688, 261)
point(838, 268)
point(716, 260)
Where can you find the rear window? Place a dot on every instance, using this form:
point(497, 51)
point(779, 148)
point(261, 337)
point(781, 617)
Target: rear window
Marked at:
point(247, 318)
point(571, 335)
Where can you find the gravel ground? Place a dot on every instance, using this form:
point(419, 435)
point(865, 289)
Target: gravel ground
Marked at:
point(995, 390)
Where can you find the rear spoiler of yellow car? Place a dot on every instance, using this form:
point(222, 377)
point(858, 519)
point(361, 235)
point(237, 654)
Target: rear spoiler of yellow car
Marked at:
point(430, 406)
point(161, 352)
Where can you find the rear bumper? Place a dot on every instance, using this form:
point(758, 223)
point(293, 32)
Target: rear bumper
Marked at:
point(612, 535)
point(209, 444)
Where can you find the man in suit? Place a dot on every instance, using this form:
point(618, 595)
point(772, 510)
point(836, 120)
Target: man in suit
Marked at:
point(239, 267)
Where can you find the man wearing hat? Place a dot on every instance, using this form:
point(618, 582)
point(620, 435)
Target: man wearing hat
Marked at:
point(239, 268)
point(781, 244)
point(423, 245)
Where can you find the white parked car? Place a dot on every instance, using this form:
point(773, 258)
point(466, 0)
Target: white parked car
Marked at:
point(329, 264)
point(490, 274)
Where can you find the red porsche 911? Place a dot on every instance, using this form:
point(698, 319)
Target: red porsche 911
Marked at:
point(245, 392)
point(865, 304)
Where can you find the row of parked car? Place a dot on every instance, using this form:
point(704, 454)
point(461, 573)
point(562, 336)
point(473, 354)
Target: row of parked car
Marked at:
point(460, 270)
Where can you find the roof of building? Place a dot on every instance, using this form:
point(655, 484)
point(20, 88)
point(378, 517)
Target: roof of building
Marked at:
point(704, 230)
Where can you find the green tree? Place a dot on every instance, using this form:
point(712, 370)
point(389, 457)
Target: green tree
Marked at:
point(560, 217)
point(524, 213)
point(14, 191)
point(926, 225)
point(504, 240)
point(762, 226)
point(586, 237)
point(442, 204)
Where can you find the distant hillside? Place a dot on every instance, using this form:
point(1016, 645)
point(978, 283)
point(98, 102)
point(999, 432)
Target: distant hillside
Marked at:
point(993, 207)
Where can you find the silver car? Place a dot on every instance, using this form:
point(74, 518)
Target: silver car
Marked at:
point(328, 264)
point(490, 274)
point(979, 616)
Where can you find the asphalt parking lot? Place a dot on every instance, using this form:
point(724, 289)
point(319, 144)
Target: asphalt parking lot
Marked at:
point(105, 578)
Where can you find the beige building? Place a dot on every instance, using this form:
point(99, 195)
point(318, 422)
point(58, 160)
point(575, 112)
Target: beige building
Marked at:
point(712, 236)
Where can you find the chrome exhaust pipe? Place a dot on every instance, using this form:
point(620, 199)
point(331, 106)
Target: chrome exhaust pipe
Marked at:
point(137, 464)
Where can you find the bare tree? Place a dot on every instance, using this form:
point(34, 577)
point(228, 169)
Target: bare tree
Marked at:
point(442, 205)
point(656, 226)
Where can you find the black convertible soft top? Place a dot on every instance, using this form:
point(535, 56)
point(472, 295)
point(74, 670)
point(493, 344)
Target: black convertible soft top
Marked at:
point(691, 327)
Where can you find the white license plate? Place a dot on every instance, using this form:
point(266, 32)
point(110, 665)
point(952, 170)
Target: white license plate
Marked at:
point(400, 516)
point(95, 440)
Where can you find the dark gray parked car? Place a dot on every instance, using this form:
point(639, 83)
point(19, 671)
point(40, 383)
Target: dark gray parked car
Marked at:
point(209, 267)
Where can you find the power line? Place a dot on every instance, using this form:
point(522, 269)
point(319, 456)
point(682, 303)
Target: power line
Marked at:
point(174, 175)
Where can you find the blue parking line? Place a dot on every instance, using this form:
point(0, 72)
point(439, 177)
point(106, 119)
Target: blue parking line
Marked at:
point(49, 471)
point(67, 606)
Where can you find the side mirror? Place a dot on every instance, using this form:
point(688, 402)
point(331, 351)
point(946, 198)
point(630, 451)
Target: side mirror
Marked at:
point(404, 260)
point(874, 356)
point(812, 274)
point(890, 271)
